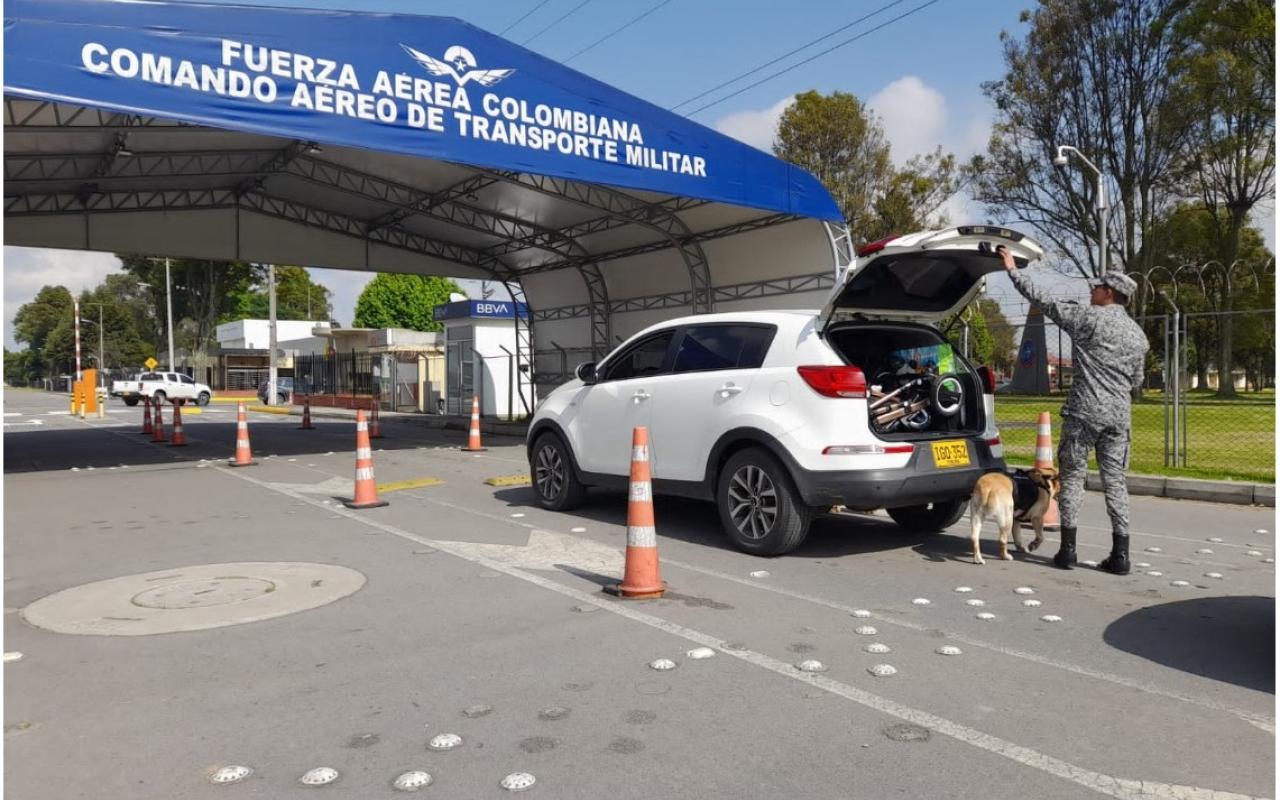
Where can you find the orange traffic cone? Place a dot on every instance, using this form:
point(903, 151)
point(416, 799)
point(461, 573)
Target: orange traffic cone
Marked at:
point(157, 435)
point(375, 424)
point(179, 438)
point(366, 489)
point(641, 577)
point(244, 456)
point(146, 417)
point(1044, 458)
point(473, 439)
point(306, 416)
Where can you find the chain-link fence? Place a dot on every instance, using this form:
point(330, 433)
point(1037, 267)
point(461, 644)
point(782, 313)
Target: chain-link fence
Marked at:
point(1184, 427)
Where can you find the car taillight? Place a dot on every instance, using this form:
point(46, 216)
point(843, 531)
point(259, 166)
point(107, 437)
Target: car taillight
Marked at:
point(993, 442)
point(866, 449)
point(988, 379)
point(835, 381)
point(876, 246)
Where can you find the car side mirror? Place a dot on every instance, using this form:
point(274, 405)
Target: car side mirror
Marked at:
point(586, 372)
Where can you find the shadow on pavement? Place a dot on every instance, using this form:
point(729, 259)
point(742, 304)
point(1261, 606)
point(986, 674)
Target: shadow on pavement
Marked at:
point(698, 522)
point(1230, 639)
point(101, 447)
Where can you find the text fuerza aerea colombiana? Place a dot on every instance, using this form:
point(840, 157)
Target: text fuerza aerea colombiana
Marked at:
point(251, 72)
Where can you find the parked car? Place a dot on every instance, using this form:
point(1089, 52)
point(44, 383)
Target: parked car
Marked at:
point(161, 387)
point(778, 415)
point(284, 391)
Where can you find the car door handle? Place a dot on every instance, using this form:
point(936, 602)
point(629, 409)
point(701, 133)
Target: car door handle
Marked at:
point(728, 390)
point(640, 396)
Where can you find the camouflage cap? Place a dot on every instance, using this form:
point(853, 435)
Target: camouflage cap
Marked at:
point(1119, 281)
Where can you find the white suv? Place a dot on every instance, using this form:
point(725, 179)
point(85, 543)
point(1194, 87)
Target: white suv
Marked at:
point(776, 415)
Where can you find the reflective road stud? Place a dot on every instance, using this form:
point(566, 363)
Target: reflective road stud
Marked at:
point(244, 456)
point(641, 575)
point(473, 438)
point(366, 494)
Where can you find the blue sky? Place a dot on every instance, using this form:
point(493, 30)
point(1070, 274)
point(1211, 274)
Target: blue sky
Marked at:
point(922, 74)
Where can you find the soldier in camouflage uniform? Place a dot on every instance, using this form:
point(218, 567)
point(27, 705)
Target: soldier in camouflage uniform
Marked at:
point(1108, 351)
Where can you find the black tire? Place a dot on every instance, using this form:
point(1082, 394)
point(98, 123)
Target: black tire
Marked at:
point(203, 399)
point(159, 397)
point(930, 517)
point(130, 401)
point(760, 509)
point(282, 399)
point(555, 481)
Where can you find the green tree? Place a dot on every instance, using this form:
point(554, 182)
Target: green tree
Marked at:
point(125, 342)
point(203, 292)
point(21, 367)
point(838, 139)
point(1099, 75)
point(1227, 83)
point(37, 319)
point(394, 300)
point(297, 297)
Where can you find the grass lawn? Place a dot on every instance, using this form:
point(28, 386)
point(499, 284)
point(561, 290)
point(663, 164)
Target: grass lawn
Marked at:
point(1231, 439)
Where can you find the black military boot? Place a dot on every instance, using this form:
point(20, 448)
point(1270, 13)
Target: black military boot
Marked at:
point(1066, 557)
point(1118, 562)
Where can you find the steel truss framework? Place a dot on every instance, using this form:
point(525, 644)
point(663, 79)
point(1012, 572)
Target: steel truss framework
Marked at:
point(239, 179)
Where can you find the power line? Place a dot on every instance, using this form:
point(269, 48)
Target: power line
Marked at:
point(558, 20)
point(798, 64)
point(804, 46)
point(618, 30)
point(526, 16)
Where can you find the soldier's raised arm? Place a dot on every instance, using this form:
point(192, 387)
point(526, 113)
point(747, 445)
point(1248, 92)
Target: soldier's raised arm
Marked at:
point(1065, 313)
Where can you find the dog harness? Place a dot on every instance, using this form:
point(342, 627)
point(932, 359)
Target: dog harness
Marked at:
point(1025, 493)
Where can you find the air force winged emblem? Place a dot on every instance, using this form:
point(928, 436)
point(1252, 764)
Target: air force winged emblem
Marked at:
point(459, 64)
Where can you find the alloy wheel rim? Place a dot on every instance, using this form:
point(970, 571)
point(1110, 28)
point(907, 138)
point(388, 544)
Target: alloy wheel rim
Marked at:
point(753, 502)
point(549, 473)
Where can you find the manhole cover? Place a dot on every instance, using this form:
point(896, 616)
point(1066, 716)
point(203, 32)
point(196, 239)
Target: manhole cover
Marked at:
point(906, 733)
point(192, 598)
point(199, 594)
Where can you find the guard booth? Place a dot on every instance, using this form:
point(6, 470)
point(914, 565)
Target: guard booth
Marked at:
point(481, 356)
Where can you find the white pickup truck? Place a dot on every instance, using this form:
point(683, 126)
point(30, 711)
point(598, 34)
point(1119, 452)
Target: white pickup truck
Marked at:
point(161, 387)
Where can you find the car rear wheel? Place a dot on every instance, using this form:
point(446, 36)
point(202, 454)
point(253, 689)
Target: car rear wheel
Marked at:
point(203, 399)
point(554, 479)
point(760, 509)
point(930, 517)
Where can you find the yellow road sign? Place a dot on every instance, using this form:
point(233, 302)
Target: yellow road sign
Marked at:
point(150, 363)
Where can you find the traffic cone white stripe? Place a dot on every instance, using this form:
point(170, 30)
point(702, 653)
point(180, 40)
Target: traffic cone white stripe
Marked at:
point(364, 452)
point(364, 473)
point(641, 491)
point(640, 453)
point(642, 536)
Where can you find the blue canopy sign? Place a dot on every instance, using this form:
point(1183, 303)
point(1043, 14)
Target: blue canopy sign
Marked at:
point(425, 86)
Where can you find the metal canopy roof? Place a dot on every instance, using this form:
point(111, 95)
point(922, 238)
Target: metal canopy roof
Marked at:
point(394, 143)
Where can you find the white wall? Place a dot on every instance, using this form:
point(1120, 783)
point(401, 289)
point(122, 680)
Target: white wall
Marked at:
point(255, 334)
point(490, 333)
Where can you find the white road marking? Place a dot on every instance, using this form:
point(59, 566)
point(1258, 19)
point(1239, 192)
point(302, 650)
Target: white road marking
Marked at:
point(26, 422)
point(1123, 788)
point(13, 413)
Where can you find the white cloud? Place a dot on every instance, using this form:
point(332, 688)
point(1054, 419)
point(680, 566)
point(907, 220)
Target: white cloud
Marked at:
point(914, 116)
point(28, 269)
point(756, 128)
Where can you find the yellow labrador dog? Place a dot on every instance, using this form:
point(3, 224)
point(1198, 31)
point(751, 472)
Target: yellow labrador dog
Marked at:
point(1009, 500)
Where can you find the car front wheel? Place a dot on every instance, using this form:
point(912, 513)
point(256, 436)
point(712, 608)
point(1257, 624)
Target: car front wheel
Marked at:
point(554, 479)
point(930, 517)
point(159, 398)
point(760, 509)
point(130, 401)
point(203, 399)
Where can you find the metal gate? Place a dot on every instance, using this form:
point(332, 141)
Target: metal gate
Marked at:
point(460, 366)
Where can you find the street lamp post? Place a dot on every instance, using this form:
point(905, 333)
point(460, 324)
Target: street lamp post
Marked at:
point(168, 295)
point(1060, 160)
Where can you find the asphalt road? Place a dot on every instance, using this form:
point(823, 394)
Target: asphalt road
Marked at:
point(466, 595)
